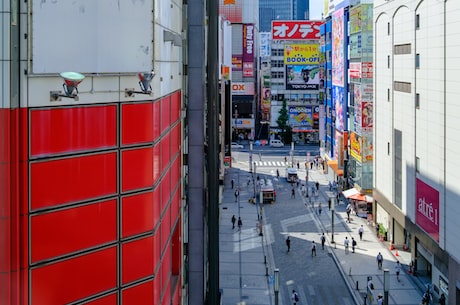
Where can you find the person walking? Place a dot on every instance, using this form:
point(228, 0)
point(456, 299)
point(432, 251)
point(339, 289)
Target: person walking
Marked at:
point(313, 248)
point(348, 213)
point(426, 299)
point(442, 299)
point(323, 241)
point(319, 209)
point(379, 260)
point(397, 270)
point(233, 183)
point(288, 244)
point(353, 244)
point(380, 299)
point(294, 297)
point(360, 232)
point(293, 193)
point(240, 223)
point(329, 203)
point(346, 243)
point(233, 222)
point(237, 193)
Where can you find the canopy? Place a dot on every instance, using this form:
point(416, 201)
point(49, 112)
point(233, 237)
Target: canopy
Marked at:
point(356, 195)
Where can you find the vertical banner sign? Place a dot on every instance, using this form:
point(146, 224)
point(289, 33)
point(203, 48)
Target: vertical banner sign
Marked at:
point(338, 49)
point(248, 50)
point(427, 209)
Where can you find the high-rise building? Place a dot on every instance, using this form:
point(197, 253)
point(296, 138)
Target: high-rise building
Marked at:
point(416, 119)
point(270, 10)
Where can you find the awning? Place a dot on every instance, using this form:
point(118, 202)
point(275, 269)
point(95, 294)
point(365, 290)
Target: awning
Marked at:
point(356, 195)
point(335, 167)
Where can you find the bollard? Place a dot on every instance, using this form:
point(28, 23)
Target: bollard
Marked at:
point(266, 271)
point(357, 285)
point(265, 259)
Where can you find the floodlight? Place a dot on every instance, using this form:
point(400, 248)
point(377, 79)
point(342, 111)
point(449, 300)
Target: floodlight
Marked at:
point(144, 83)
point(70, 85)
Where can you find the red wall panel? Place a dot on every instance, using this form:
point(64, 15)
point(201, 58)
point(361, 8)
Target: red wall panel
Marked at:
point(175, 106)
point(75, 278)
point(165, 190)
point(137, 259)
point(61, 130)
point(107, 300)
point(165, 110)
point(66, 231)
point(165, 151)
point(156, 162)
point(69, 180)
point(138, 215)
point(136, 123)
point(137, 169)
point(139, 295)
point(156, 120)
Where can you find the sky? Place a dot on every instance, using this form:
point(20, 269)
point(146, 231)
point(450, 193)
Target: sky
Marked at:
point(316, 8)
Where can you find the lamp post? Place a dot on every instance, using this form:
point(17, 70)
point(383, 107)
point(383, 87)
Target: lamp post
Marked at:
point(250, 157)
point(276, 285)
point(332, 218)
point(292, 154)
point(386, 285)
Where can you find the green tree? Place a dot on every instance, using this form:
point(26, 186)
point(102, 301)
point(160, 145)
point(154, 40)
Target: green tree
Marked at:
point(282, 122)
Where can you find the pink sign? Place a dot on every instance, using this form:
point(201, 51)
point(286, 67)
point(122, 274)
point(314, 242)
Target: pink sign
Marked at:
point(427, 209)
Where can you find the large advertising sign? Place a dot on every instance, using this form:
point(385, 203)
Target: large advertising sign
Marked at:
point(237, 62)
point(361, 147)
point(364, 108)
point(338, 56)
point(231, 10)
point(296, 29)
point(264, 48)
point(265, 105)
point(248, 50)
point(427, 209)
point(302, 77)
point(301, 116)
point(339, 107)
point(301, 54)
point(242, 88)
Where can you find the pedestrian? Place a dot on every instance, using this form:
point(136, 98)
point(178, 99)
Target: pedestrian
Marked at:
point(277, 173)
point(360, 232)
point(380, 299)
point(248, 182)
point(329, 203)
point(317, 186)
point(292, 193)
point(346, 243)
point(313, 248)
point(260, 156)
point(233, 222)
point(319, 209)
point(288, 243)
point(442, 299)
point(379, 260)
point(397, 269)
point(330, 186)
point(285, 159)
point(323, 240)
point(240, 223)
point(353, 244)
point(237, 193)
point(298, 165)
point(377, 229)
point(426, 299)
point(348, 213)
point(233, 183)
point(294, 297)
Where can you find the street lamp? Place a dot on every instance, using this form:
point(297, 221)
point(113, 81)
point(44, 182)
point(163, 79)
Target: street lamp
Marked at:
point(386, 285)
point(250, 157)
point(332, 218)
point(276, 285)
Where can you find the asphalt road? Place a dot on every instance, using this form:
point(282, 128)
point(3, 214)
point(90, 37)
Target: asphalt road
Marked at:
point(317, 279)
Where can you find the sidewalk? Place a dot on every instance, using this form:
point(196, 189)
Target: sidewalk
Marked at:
point(246, 260)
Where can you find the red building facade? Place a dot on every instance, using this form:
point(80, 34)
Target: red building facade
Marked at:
point(90, 203)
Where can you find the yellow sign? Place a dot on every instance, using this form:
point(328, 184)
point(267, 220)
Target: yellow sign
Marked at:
point(301, 54)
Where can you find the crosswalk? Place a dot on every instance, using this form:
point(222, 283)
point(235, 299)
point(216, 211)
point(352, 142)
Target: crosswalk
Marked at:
point(271, 163)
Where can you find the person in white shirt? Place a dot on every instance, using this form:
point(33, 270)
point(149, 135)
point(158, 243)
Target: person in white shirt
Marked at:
point(397, 269)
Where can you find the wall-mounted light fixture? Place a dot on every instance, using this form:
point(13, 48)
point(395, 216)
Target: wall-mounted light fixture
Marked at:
point(71, 82)
point(144, 83)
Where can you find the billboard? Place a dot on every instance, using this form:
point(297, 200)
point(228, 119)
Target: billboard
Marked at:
point(361, 147)
point(295, 29)
point(242, 88)
point(427, 209)
point(265, 104)
point(301, 54)
point(231, 10)
point(338, 49)
point(338, 100)
point(302, 77)
point(301, 116)
point(265, 48)
point(237, 62)
point(248, 50)
point(364, 107)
